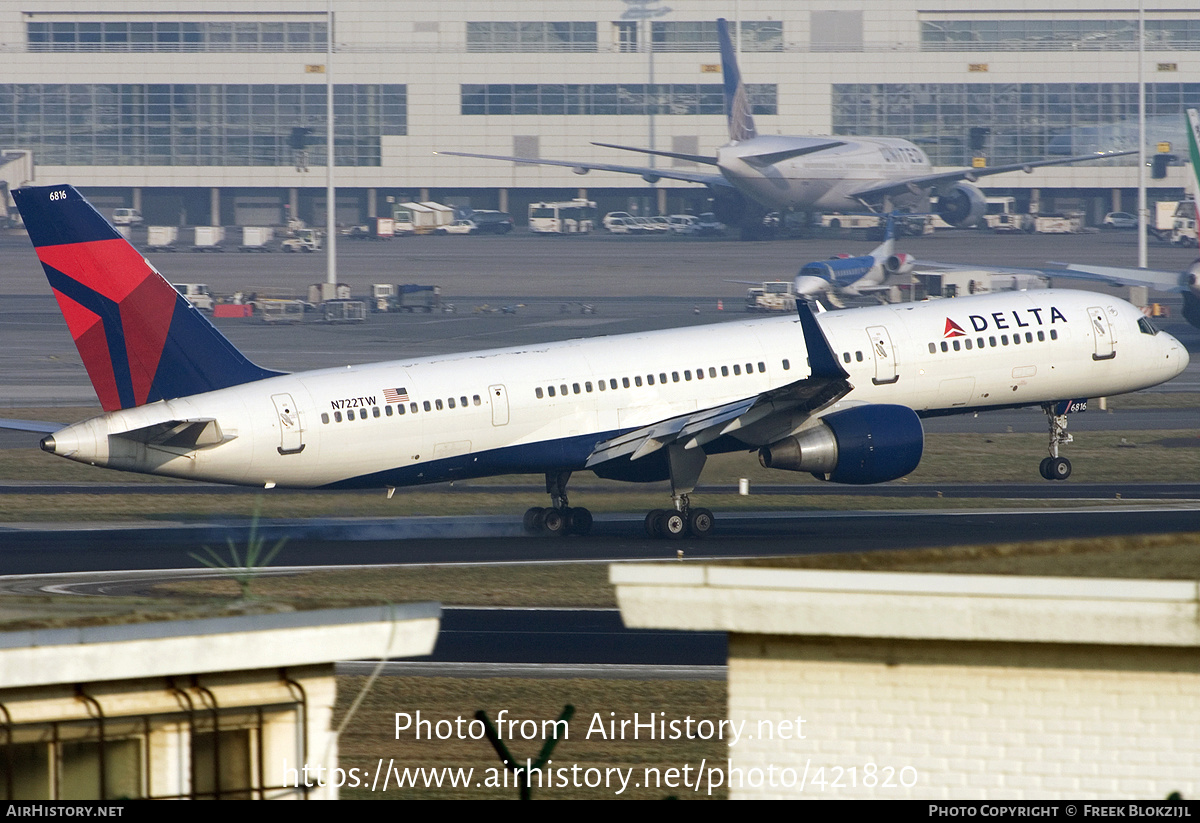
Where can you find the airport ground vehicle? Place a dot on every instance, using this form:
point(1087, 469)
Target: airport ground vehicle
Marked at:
point(414, 218)
point(305, 240)
point(614, 216)
point(376, 228)
point(197, 294)
point(1119, 220)
point(257, 238)
point(463, 226)
point(1002, 216)
point(771, 296)
point(684, 223)
point(161, 238)
point(838, 395)
point(127, 217)
point(568, 217)
point(408, 297)
point(209, 238)
point(488, 221)
point(707, 225)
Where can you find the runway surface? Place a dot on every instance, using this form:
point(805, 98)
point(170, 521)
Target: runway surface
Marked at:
point(45, 548)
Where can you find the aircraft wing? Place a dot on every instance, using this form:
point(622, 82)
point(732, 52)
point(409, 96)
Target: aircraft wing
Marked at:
point(1108, 275)
point(971, 175)
point(827, 383)
point(1113, 276)
point(650, 175)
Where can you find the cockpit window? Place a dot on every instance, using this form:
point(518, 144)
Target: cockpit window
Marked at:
point(1146, 326)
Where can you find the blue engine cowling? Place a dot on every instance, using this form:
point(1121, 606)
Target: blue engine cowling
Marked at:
point(861, 445)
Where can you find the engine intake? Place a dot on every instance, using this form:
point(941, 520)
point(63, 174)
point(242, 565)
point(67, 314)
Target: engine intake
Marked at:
point(963, 205)
point(899, 264)
point(861, 445)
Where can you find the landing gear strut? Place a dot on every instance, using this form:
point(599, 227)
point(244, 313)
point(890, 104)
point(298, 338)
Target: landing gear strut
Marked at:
point(560, 518)
point(1055, 467)
point(682, 521)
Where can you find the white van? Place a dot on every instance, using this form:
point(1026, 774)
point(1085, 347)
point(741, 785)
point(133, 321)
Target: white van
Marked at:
point(127, 217)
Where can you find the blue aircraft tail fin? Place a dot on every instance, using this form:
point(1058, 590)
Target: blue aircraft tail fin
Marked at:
point(737, 101)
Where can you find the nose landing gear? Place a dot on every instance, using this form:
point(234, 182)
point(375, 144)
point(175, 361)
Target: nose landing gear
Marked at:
point(1055, 467)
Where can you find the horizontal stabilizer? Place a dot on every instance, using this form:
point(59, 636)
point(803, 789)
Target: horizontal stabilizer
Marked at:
point(37, 426)
point(772, 157)
point(180, 434)
point(707, 160)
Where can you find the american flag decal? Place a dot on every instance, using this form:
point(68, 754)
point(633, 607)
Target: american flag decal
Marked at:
point(395, 395)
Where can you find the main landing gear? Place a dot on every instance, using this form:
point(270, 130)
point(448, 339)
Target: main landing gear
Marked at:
point(1055, 467)
point(683, 521)
point(560, 519)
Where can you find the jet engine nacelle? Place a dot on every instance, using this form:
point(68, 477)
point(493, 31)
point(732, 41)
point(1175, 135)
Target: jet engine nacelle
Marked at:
point(864, 444)
point(899, 264)
point(962, 205)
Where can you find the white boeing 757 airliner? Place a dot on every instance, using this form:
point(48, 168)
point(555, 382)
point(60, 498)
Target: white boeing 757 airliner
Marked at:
point(839, 396)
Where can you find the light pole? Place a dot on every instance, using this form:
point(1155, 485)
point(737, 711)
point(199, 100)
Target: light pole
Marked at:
point(1142, 251)
point(330, 290)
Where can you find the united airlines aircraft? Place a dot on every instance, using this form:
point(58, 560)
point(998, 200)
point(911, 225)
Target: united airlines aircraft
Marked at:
point(840, 395)
point(757, 172)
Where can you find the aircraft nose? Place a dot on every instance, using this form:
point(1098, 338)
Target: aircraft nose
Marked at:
point(808, 285)
point(1177, 355)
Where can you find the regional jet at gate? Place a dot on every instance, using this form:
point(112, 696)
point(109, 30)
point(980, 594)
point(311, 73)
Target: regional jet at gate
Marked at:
point(839, 396)
point(759, 173)
point(846, 276)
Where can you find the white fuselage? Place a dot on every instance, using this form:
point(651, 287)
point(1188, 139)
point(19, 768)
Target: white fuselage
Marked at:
point(333, 427)
point(821, 181)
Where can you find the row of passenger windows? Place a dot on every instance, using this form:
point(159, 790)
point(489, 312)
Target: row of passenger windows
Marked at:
point(992, 342)
point(436, 405)
point(650, 379)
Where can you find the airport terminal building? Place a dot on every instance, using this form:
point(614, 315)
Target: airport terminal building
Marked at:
point(208, 112)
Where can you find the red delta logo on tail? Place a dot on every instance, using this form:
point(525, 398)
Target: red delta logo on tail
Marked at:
point(139, 339)
point(953, 329)
point(119, 325)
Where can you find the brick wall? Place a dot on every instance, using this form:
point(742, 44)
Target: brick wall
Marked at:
point(958, 720)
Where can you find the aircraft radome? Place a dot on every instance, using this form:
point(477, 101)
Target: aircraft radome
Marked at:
point(810, 174)
point(840, 396)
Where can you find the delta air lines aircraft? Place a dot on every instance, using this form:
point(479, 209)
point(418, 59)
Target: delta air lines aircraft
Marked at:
point(839, 395)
